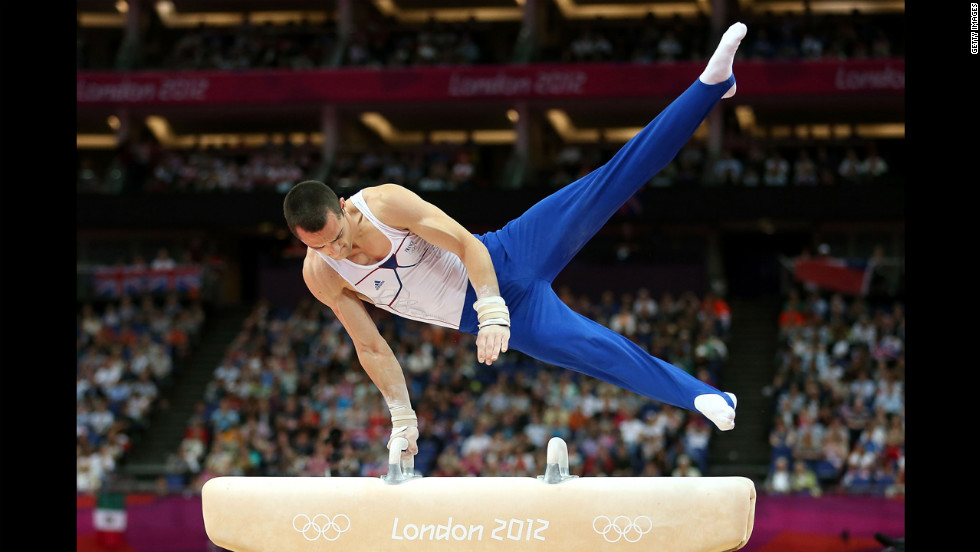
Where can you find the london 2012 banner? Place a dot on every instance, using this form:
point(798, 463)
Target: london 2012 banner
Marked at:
point(878, 77)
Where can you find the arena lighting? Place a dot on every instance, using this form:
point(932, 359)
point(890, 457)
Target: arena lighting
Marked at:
point(820, 132)
point(387, 132)
point(165, 9)
point(842, 130)
point(171, 18)
point(571, 10)
point(568, 132)
point(421, 15)
point(96, 141)
point(194, 141)
point(101, 20)
point(746, 117)
point(881, 130)
point(564, 127)
point(559, 120)
point(160, 128)
point(825, 7)
point(391, 135)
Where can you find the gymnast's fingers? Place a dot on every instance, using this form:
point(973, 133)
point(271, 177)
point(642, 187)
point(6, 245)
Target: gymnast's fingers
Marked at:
point(481, 346)
point(497, 338)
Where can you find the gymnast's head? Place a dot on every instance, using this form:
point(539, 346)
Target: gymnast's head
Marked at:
point(307, 205)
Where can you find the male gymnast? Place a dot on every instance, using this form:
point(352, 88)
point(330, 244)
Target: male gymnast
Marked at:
point(386, 246)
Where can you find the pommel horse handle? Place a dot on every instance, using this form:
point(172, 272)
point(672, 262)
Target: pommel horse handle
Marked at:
point(556, 458)
point(399, 470)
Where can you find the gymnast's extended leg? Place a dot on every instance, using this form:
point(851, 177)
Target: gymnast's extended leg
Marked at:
point(550, 331)
point(545, 238)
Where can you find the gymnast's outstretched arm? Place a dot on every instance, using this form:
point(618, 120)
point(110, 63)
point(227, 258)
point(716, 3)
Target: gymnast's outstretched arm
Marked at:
point(373, 351)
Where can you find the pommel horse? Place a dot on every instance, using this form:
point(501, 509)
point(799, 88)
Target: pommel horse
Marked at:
point(404, 511)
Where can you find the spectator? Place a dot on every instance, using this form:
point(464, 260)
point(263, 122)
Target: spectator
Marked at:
point(874, 165)
point(782, 440)
point(811, 46)
point(835, 450)
point(163, 260)
point(851, 169)
point(804, 170)
point(804, 480)
point(623, 321)
point(669, 48)
point(780, 480)
point(728, 169)
point(685, 468)
point(791, 317)
point(775, 169)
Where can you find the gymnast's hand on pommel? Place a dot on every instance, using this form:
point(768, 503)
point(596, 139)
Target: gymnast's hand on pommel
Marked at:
point(411, 434)
point(404, 423)
point(490, 342)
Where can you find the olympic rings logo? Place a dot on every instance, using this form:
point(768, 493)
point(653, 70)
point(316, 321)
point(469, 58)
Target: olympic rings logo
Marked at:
point(321, 525)
point(622, 527)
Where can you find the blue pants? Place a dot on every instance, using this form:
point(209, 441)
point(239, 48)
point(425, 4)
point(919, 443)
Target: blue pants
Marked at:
point(530, 251)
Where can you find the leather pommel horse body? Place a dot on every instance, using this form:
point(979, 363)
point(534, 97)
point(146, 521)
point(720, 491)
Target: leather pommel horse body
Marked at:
point(404, 511)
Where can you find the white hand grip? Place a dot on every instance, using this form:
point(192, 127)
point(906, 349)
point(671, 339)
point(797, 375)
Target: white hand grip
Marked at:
point(395, 453)
point(399, 470)
point(557, 452)
point(556, 469)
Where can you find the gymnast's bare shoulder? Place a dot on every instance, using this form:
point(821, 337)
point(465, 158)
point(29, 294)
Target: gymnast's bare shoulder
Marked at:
point(395, 205)
point(325, 283)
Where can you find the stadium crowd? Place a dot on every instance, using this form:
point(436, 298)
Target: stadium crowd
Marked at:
point(745, 162)
point(290, 399)
point(382, 41)
point(838, 396)
point(127, 353)
point(145, 166)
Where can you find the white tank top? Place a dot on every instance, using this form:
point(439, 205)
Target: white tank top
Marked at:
point(417, 280)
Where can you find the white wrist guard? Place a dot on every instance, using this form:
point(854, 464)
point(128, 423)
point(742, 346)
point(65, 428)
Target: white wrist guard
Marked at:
point(403, 417)
point(492, 311)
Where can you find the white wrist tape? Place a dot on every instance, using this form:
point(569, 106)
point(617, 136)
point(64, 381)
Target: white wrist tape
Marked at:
point(403, 416)
point(495, 322)
point(491, 300)
point(492, 311)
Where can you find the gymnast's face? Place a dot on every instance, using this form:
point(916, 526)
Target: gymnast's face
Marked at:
point(335, 239)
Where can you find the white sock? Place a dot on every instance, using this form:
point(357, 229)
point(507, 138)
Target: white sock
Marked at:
point(720, 65)
point(715, 408)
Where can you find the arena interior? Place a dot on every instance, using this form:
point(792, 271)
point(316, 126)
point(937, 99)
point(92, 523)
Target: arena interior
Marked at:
point(767, 259)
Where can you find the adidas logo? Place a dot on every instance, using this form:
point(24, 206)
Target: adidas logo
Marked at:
point(410, 247)
point(378, 284)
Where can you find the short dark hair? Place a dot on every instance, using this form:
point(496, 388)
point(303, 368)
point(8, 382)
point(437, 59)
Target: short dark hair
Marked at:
point(306, 206)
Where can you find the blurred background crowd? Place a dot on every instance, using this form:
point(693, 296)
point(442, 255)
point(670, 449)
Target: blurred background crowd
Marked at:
point(147, 167)
point(381, 40)
point(289, 398)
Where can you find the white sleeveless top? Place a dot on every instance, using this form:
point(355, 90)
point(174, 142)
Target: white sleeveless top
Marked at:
point(417, 280)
